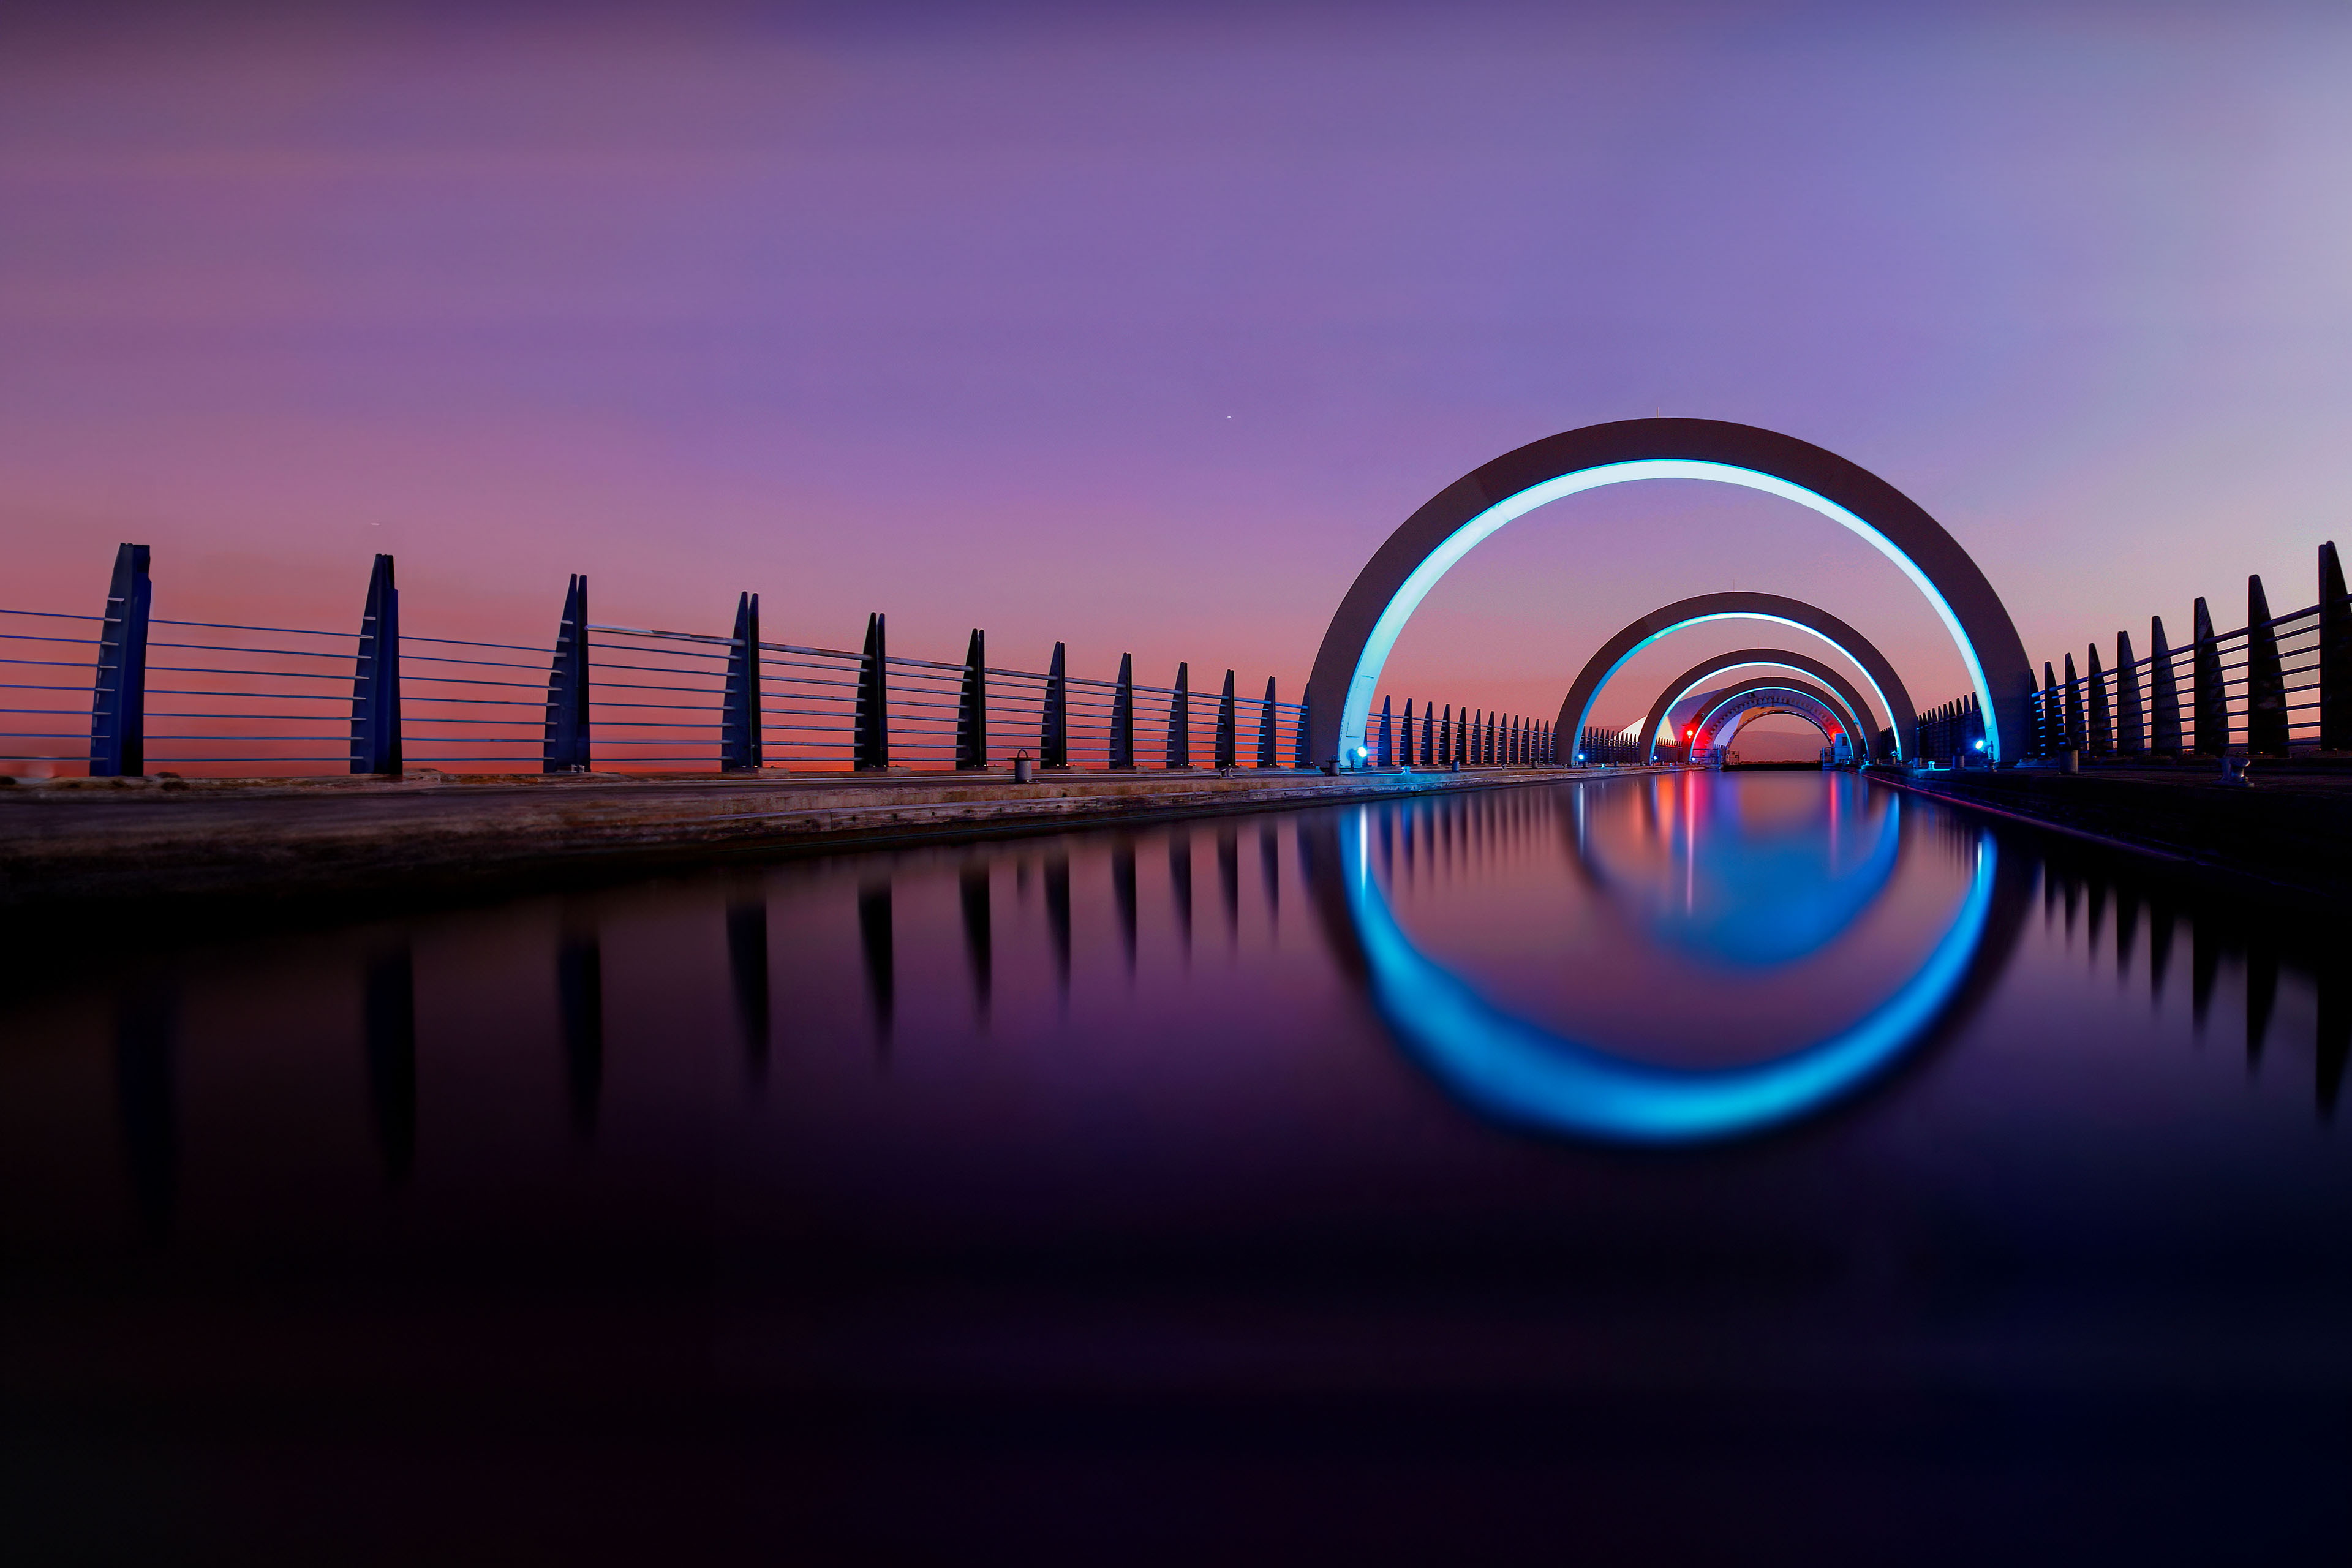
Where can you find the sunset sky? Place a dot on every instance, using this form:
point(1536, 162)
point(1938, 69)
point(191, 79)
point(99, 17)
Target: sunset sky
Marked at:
point(1142, 326)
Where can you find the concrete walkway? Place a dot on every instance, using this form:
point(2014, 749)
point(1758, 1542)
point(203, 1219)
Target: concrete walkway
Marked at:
point(67, 841)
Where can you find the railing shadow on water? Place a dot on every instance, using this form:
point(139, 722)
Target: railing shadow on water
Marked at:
point(1113, 913)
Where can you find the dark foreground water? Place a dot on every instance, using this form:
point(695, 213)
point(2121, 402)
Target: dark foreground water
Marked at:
point(1692, 1168)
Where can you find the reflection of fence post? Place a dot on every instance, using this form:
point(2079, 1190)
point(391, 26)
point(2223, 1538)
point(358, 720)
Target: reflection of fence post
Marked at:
point(375, 683)
point(2335, 655)
point(2164, 692)
point(1053, 725)
point(2209, 704)
point(118, 708)
point(1122, 715)
point(1226, 739)
point(873, 724)
point(972, 705)
point(2265, 679)
point(1180, 718)
point(1265, 728)
point(738, 720)
point(566, 749)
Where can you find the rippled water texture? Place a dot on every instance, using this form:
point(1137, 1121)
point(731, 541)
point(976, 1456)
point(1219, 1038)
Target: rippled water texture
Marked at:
point(1658, 1165)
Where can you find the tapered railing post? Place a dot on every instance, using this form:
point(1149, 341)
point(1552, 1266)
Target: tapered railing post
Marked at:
point(567, 747)
point(2265, 679)
point(2074, 707)
point(375, 678)
point(117, 704)
point(2103, 729)
point(1265, 728)
point(873, 725)
point(1228, 741)
point(2131, 728)
point(1404, 736)
point(1054, 723)
point(2335, 655)
point(1179, 720)
point(1122, 716)
point(2164, 692)
point(2049, 730)
point(972, 705)
point(2210, 702)
point(1386, 756)
point(1302, 750)
point(741, 748)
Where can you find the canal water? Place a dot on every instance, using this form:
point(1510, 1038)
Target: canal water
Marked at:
point(1644, 1167)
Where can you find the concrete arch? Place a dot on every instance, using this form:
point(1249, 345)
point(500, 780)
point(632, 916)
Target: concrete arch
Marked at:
point(1866, 735)
point(1427, 544)
point(1779, 694)
point(1828, 720)
point(1673, 617)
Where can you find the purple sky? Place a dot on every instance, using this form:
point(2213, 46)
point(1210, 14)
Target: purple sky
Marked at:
point(1143, 329)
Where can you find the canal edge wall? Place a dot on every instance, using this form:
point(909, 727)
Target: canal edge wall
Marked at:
point(110, 843)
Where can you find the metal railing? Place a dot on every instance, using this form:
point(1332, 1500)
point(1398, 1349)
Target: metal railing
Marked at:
point(162, 695)
point(2276, 687)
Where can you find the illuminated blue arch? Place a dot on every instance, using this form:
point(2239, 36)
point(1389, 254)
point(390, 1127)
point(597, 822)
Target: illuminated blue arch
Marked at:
point(1766, 693)
point(1672, 696)
point(1877, 673)
point(1519, 1072)
point(1401, 574)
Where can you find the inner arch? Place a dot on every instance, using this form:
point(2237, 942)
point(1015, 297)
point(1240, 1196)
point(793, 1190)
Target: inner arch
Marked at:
point(1679, 690)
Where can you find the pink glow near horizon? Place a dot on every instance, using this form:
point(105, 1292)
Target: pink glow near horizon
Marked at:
point(1142, 333)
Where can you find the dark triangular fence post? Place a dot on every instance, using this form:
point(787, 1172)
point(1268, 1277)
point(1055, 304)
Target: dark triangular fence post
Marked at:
point(117, 707)
point(2131, 728)
point(1179, 720)
point(375, 683)
point(1053, 724)
point(1301, 748)
point(739, 748)
point(1387, 752)
point(2048, 730)
point(1265, 729)
point(1404, 736)
point(1122, 715)
point(2103, 729)
point(873, 731)
point(2335, 655)
point(2073, 740)
point(2209, 703)
point(2265, 680)
point(2164, 692)
point(567, 745)
point(1227, 742)
point(972, 706)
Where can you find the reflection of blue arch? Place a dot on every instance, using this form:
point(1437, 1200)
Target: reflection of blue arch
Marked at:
point(1518, 1072)
point(1393, 583)
point(1679, 690)
point(1764, 902)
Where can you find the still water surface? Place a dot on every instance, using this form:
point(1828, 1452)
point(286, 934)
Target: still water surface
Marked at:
point(1713, 1152)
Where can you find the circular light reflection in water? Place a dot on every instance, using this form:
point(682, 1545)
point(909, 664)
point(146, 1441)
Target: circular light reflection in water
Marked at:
point(1520, 1072)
